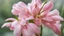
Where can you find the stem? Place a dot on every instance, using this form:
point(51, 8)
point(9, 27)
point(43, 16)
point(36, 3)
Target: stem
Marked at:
point(41, 34)
point(62, 27)
point(62, 31)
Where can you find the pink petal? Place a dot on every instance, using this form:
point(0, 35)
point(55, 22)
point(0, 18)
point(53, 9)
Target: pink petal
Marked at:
point(48, 19)
point(58, 24)
point(35, 10)
point(43, 14)
point(55, 27)
point(34, 7)
point(16, 27)
point(22, 22)
point(48, 6)
point(6, 24)
point(18, 8)
point(28, 31)
point(54, 12)
point(30, 7)
point(13, 25)
point(15, 10)
point(24, 14)
point(37, 21)
point(35, 28)
point(17, 30)
point(57, 18)
point(38, 2)
point(10, 19)
point(25, 33)
point(29, 18)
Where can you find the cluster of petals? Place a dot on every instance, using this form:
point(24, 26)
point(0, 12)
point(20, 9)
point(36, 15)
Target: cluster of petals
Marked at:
point(39, 13)
point(22, 27)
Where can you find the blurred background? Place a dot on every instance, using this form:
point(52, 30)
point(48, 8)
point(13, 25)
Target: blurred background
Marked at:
point(5, 12)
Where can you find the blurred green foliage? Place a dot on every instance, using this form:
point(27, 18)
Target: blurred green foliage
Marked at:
point(6, 6)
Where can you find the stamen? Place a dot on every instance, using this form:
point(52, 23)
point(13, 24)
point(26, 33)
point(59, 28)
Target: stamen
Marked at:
point(31, 21)
point(43, 6)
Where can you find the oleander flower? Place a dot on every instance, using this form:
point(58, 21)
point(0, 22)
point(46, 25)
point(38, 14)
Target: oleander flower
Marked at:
point(22, 27)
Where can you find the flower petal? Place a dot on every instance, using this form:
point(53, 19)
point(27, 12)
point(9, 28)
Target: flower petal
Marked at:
point(34, 7)
point(48, 6)
point(43, 14)
point(48, 19)
point(38, 2)
point(24, 15)
point(55, 27)
point(57, 18)
point(37, 21)
point(15, 10)
point(10, 19)
point(17, 30)
point(54, 12)
point(13, 25)
point(22, 22)
point(6, 24)
point(29, 18)
point(28, 31)
point(18, 8)
point(35, 28)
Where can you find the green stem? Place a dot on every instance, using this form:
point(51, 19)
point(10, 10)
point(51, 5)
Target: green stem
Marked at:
point(62, 31)
point(62, 27)
point(41, 34)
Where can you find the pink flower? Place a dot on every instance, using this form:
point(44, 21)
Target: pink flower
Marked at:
point(22, 27)
point(23, 11)
point(40, 16)
point(20, 9)
point(48, 18)
point(32, 11)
